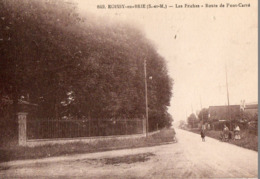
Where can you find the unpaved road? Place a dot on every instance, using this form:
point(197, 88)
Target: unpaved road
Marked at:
point(188, 158)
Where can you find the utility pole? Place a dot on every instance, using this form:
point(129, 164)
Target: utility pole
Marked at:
point(228, 98)
point(201, 109)
point(192, 113)
point(146, 99)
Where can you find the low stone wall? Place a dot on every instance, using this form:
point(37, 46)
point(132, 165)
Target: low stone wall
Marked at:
point(39, 142)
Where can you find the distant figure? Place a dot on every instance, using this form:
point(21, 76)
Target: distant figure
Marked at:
point(237, 133)
point(225, 128)
point(202, 133)
point(226, 132)
point(230, 135)
point(221, 136)
point(174, 136)
point(174, 139)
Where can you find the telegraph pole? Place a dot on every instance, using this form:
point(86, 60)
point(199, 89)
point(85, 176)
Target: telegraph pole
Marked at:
point(146, 99)
point(201, 109)
point(192, 113)
point(228, 98)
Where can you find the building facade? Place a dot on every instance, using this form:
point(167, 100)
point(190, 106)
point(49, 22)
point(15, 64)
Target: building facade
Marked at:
point(222, 113)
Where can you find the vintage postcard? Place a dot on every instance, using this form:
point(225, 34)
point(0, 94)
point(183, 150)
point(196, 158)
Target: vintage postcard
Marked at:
point(129, 89)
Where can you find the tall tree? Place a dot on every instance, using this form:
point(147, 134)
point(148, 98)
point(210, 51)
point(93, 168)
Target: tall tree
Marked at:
point(192, 120)
point(71, 65)
point(204, 115)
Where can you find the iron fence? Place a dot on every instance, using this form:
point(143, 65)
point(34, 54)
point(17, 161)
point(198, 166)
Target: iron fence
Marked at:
point(50, 129)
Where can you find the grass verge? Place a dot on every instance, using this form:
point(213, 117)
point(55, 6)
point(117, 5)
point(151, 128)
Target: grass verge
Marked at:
point(248, 140)
point(19, 153)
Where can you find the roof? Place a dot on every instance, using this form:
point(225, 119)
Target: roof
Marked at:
point(224, 112)
point(251, 106)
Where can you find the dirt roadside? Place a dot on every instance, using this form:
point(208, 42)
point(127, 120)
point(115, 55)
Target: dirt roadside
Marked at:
point(188, 158)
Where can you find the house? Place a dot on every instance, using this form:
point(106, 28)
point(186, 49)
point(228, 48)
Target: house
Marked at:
point(219, 113)
point(250, 111)
point(249, 108)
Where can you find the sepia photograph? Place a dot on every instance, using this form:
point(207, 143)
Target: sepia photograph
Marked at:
point(128, 89)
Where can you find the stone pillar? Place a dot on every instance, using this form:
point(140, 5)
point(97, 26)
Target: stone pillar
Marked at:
point(22, 118)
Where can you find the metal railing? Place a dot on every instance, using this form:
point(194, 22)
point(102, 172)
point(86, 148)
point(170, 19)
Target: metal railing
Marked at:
point(50, 129)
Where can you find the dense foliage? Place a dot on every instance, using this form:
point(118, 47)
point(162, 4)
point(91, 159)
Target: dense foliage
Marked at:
point(203, 115)
point(192, 120)
point(78, 66)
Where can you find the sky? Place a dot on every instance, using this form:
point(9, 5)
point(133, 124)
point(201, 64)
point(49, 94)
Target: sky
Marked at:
point(198, 45)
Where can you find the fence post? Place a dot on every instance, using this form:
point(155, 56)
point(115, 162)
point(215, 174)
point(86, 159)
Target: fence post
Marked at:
point(89, 127)
point(98, 128)
point(125, 127)
point(22, 119)
point(144, 126)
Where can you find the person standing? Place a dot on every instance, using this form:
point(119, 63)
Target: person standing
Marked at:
point(237, 133)
point(202, 133)
point(226, 132)
point(174, 136)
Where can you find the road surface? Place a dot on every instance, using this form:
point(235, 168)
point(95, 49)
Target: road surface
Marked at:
point(188, 158)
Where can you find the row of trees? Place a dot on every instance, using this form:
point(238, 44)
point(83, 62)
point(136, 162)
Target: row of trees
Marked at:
point(203, 117)
point(78, 66)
